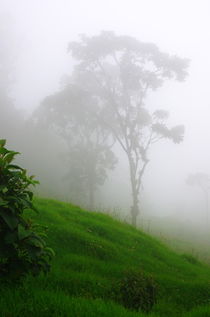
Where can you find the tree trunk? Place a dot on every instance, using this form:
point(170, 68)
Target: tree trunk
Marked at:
point(91, 197)
point(206, 207)
point(135, 206)
point(135, 193)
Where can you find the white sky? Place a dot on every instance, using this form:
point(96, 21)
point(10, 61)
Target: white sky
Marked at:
point(46, 26)
point(180, 27)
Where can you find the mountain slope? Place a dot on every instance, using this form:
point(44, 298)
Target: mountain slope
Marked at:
point(93, 252)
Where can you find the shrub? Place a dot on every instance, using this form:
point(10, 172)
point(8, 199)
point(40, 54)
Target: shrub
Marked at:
point(138, 291)
point(190, 258)
point(22, 247)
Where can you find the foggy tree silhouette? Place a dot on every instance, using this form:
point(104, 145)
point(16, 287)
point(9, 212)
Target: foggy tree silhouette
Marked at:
point(73, 114)
point(120, 71)
point(201, 180)
point(9, 115)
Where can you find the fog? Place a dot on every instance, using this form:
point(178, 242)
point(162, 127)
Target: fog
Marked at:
point(37, 39)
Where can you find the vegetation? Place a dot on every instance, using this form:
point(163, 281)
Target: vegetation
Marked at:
point(93, 252)
point(100, 113)
point(22, 247)
point(202, 181)
point(120, 71)
point(103, 267)
point(10, 118)
point(73, 114)
point(137, 291)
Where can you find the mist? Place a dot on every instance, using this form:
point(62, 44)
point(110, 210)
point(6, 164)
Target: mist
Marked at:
point(35, 36)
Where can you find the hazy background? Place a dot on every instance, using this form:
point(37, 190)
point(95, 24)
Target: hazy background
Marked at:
point(43, 29)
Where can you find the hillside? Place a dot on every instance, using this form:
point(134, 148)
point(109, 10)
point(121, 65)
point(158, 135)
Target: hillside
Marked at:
point(93, 252)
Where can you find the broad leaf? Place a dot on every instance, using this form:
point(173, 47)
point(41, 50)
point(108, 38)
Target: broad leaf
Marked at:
point(23, 233)
point(10, 219)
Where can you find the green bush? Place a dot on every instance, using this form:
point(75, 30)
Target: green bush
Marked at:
point(190, 258)
point(138, 291)
point(22, 247)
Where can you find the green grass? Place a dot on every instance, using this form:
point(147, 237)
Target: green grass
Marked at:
point(92, 253)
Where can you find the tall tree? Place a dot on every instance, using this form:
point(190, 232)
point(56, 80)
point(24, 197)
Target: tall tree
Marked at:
point(120, 71)
point(9, 116)
point(73, 114)
point(202, 181)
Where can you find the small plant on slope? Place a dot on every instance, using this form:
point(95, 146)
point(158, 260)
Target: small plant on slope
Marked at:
point(22, 247)
point(138, 291)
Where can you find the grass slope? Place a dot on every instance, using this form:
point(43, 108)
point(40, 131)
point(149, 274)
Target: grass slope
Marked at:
point(92, 253)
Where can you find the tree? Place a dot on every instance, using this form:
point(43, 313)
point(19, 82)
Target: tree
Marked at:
point(71, 113)
point(120, 71)
point(9, 116)
point(202, 181)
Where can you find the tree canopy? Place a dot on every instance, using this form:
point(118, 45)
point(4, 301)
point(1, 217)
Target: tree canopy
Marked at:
point(120, 71)
point(73, 113)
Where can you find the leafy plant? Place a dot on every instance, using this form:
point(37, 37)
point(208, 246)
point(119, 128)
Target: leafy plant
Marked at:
point(22, 247)
point(138, 291)
point(190, 258)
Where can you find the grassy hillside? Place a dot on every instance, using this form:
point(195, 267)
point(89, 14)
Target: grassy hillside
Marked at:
point(93, 252)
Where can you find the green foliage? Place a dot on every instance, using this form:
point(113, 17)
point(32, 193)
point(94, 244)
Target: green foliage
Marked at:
point(190, 258)
point(93, 252)
point(22, 247)
point(200, 311)
point(138, 291)
point(57, 304)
